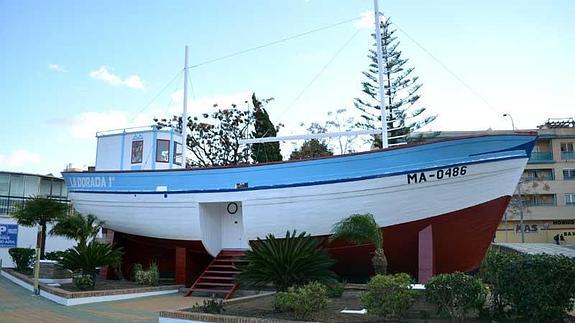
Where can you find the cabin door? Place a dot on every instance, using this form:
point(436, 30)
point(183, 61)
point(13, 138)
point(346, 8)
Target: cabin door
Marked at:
point(232, 227)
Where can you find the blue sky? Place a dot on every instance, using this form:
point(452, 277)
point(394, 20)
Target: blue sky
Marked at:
point(70, 68)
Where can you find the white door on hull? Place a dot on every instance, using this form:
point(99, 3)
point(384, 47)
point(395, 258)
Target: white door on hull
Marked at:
point(232, 227)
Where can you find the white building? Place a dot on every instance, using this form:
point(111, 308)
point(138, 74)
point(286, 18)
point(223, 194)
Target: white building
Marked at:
point(15, 189)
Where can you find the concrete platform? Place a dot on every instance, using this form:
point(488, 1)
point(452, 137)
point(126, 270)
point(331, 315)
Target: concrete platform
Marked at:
point(539, 248)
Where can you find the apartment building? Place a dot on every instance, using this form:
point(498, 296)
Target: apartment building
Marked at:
point(547, 190)
point(15, 189)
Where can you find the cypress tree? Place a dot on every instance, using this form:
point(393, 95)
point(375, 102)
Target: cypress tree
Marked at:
point(264, 127)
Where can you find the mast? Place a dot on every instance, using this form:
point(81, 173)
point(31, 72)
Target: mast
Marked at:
point(185, 113)
point(380, 70)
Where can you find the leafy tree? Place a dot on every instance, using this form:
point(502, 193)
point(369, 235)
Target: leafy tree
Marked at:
point(337, 121)
point(263, 127)
point(214, 138)
point(401, 92)
point(294, 260)
point(360, 229)
point(312, 148)
point(39, 211)
point(77, 227)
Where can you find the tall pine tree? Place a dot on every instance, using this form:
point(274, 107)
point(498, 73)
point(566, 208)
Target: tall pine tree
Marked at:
point(263, 127)
point(401, 92)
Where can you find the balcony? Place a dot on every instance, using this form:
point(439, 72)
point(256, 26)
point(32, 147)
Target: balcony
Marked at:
point(568, 155)
point(539, 203)
point(544, 177)
point(541, 157)
point(9, 203)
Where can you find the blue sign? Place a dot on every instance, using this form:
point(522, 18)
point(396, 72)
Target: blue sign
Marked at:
point(8, 235)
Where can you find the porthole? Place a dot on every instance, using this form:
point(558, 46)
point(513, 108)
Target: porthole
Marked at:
point(232, 208)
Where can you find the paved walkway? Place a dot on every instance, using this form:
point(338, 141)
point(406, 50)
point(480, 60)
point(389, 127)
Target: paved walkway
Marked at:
point(20, 305)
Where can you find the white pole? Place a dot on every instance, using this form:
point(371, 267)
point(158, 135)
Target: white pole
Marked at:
point(380, 70)
point(185, 114)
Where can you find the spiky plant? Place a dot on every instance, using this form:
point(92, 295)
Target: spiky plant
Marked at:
point(86, 258)
point(294, 260)
point(77, 227)
point(360, 229)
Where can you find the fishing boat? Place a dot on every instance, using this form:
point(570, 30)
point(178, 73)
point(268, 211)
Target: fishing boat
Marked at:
point(458, 186)
point(438, 203)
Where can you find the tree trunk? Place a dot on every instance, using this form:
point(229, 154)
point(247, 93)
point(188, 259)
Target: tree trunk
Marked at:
point(42, 238)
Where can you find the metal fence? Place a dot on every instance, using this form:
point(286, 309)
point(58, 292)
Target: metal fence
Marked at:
point(9, 203)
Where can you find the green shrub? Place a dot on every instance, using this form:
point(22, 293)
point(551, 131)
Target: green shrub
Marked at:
point(23, 258)
point(388, 296)
point(291, 261)
point(303, 301)
point(86, 258)
point(84, 282)
point(148, 277)
point(538, 288)
point(134, 272)
point(335, 290)
point(211, 305)
point(54, 255)
point(455, 294)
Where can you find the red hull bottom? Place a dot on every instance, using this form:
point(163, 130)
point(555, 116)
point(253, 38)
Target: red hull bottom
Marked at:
point(460, 240)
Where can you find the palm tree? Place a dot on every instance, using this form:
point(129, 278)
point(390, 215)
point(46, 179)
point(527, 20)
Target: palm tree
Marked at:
point(77, 227)
point(39, 211)
point(360, 229)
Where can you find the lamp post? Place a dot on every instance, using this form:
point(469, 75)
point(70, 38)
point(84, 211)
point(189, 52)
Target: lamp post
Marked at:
point(521, 224)
point(510, 117)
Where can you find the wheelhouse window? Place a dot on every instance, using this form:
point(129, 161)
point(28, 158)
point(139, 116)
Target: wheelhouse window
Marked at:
point(163, 151)
point(137, 151)
point(177, 153)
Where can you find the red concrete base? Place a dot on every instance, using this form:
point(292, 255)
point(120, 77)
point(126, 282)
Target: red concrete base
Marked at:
point(181, 264)
point(425, 255)
point(460, 240)
point(108, 237)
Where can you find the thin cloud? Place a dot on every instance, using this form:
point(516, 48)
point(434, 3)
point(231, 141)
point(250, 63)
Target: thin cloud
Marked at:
point(57, 68)
point(103, 74)
point(367, 20)
point(18, 159)
point(86, 124)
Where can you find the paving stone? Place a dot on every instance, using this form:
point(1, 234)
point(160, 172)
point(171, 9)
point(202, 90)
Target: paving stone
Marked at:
point(20, 305)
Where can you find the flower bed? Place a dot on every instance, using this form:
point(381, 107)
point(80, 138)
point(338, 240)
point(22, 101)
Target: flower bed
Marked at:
point(114, 290)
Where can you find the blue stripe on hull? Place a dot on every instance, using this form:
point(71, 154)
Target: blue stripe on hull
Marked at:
point(424, 157)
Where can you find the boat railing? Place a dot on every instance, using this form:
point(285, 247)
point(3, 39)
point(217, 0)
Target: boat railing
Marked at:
point(134, 130)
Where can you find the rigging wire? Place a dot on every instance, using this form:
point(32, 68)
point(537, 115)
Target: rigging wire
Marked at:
point(319, 73)
point(247, 50)
point(177, 76)
point(275, 42)
point(448, 70)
